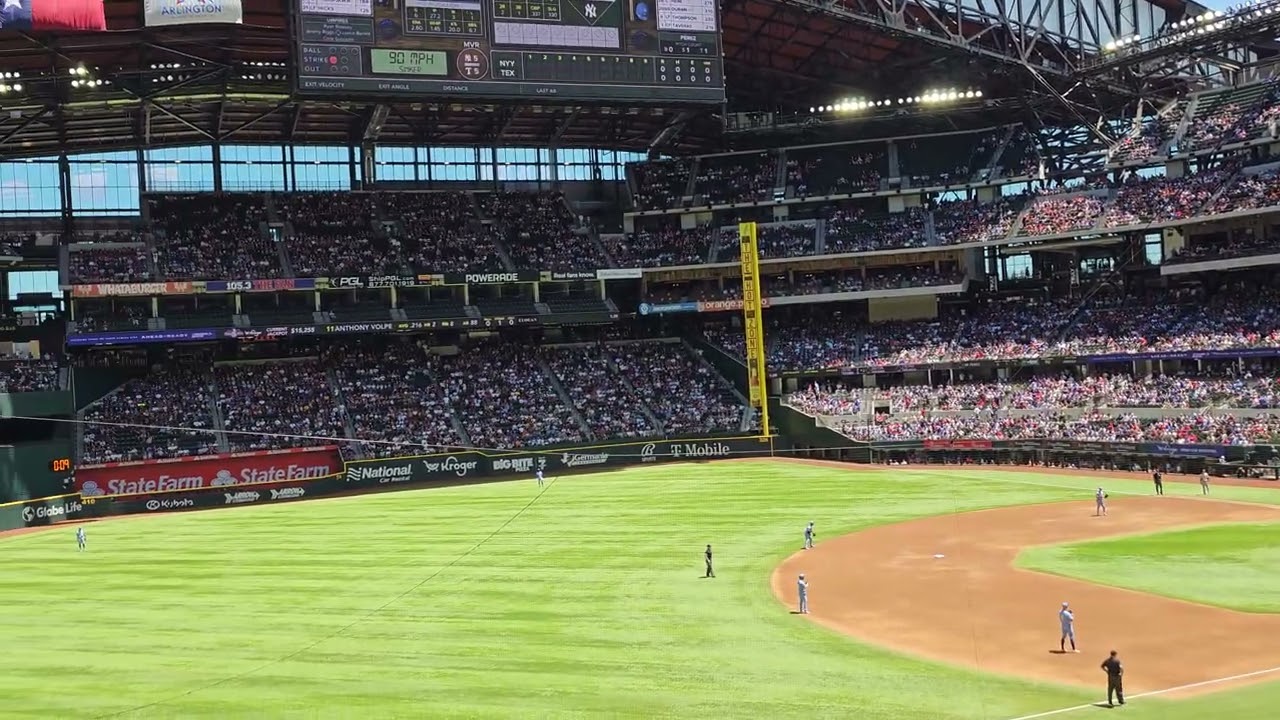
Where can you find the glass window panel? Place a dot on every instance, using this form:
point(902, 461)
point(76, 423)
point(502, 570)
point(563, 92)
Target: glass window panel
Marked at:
point(179, 177)
point(395, 172)
point(33, 281)
point(322, 176)
point(106, 185)
point(384, 154)
point(30, 187)
point(253, 176)
point(188, 153)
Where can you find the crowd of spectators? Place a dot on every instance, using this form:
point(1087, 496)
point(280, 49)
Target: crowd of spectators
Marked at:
point(773, 240)
point(661, 184)
point(683, 392)
point(1248, 192)
point(539, 232)
point(87, 263)
point(1232, 116)
point(609, 405)
point(736, 178)
point(1099, 391)
point(819, 400)
point(504, 399)
point(825, 170)
point(1056, 214)
point(966, 221)
point(947, 159)
point(1195, 428)
point(665, 245)
point(165, 414)
point(439, 232)
point(1143, 201)
point(213, 236)
point(852, 229)
point(336, 234)
point(392, 400)
point(28, 375)
point(1239, 246)
point(276, 405)
point(1232, 318)
point(1149, 137)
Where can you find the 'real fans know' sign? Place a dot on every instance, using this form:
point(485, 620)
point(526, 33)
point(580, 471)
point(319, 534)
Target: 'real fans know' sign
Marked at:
point(188, 12)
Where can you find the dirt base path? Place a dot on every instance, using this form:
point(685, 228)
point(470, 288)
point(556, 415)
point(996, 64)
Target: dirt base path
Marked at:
point(973, 608)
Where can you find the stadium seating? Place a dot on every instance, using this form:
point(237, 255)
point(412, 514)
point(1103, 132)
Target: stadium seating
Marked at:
point(165, 414)
point(22, 375)
point(539, 232)
point(213, 237)
point(440, 232)
point(90, 264)
point(336, 234)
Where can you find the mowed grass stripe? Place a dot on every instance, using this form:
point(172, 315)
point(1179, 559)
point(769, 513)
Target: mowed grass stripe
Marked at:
point(1234, 566)
point(586, 604)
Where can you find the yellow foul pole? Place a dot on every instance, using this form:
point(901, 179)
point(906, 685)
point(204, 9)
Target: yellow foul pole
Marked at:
point(753, 323)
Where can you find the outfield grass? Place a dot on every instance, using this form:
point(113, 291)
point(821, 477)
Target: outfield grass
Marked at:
point(1234, 566)
point(495, 601)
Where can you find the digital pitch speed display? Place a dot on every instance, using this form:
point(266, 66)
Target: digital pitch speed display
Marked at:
point(641, 50)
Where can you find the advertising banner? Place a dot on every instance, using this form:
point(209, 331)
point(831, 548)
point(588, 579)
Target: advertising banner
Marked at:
point(568, 276)
point(619, 274)
point(189, 12)
point(490, 278)
point(215, 471)
point(47, 511)
point(1185, 451)
point(957, 444)
point(52, 15)
point(132, 289)
point(468, 465)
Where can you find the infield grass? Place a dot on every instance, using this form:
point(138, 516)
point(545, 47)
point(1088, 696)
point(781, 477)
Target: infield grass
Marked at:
point(497, 601)
point(1233, 566)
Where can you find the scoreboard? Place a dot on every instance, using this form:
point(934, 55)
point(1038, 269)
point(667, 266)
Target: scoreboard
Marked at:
point(641, 50)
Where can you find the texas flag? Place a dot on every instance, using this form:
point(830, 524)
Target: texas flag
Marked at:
point(52, 15)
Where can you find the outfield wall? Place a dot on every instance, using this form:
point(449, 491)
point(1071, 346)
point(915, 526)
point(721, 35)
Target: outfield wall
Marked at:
point(364, 476)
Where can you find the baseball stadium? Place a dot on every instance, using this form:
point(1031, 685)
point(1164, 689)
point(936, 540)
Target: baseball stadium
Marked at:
point(682, 359)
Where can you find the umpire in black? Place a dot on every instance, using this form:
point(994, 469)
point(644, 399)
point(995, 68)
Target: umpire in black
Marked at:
point(1115, 679)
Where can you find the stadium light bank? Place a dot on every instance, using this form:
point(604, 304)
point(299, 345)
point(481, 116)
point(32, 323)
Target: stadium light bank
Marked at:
point(932, 97)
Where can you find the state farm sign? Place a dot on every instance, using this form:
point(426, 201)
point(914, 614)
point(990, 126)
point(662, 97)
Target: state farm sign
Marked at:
point(212, 471)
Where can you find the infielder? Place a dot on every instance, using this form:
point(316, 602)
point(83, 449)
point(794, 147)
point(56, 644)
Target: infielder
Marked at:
point(808, 536)
point(1204, 482)
point(80, 539)
point(802, 589)
point(1101, 498)
point(1067, 619)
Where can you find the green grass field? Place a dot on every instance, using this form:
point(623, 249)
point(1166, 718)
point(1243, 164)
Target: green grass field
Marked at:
point(496, 601)
point(1234, 566)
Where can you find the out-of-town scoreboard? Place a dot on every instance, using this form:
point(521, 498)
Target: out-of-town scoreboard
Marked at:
point(659, 51)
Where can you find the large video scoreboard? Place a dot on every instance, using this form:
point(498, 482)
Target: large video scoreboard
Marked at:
point(642, 50)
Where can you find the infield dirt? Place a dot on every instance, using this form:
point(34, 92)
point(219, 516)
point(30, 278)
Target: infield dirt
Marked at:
point(972, 607)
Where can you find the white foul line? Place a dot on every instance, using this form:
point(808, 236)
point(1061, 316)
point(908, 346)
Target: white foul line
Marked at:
point(1153, 693)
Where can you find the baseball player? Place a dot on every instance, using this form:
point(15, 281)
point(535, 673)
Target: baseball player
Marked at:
point(1101, 498)
point(80, 538)
point(541, 481)
point(1158, 478)
point(802, 589)
point(1204, 482)
point(710, 571)
point(808, 536)
point(1067, 619)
